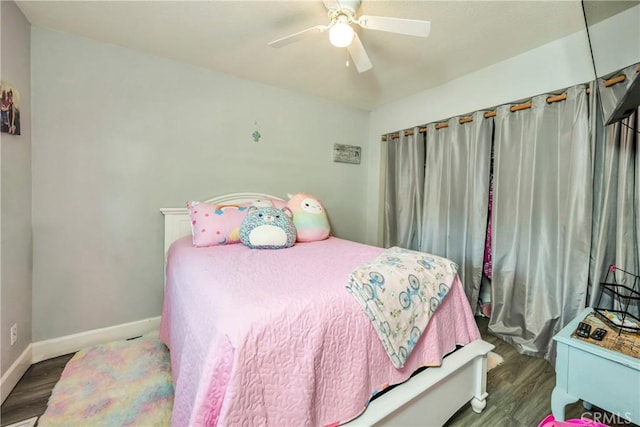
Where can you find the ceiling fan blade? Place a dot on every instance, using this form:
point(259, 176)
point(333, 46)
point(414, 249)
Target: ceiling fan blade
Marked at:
point(410, 27)
point(359, 55)
point(297, 36)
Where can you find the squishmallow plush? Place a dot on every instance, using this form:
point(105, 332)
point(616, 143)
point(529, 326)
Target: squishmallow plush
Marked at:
point(268, 228)
point(309, 217)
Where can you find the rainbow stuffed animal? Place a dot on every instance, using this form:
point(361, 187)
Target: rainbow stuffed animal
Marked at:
point(309, 217)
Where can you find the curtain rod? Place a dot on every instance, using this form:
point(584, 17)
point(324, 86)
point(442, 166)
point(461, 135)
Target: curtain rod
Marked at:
point(550, 100)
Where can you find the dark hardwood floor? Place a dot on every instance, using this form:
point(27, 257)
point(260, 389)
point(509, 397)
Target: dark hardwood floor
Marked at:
point(519, 392)
point(29, 398)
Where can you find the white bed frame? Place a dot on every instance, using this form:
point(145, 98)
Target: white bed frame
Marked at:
point(429, 398)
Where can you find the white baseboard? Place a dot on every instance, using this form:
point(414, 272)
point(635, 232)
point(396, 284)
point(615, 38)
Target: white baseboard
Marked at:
point(11, 377)
point(48, 349)
point(31, 422)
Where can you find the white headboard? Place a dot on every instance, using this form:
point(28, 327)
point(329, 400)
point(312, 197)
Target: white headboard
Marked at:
point(177, 223)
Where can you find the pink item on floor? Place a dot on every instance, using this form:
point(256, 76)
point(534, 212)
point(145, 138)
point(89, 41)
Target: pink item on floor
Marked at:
point(550, 421)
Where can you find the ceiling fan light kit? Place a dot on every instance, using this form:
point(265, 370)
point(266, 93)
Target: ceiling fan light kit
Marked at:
point(341, 33)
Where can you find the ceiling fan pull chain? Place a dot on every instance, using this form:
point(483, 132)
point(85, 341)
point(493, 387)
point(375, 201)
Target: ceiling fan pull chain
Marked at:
point(347, 52)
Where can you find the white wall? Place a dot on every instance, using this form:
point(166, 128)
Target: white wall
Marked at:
point(15, 282)
point(118, 134)
point(615, 42)
point(554, 66)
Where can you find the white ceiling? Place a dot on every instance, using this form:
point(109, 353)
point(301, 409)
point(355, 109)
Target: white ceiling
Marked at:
point(232, 37)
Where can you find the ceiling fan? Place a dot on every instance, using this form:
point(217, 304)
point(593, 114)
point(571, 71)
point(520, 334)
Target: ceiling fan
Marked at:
point(342, 16)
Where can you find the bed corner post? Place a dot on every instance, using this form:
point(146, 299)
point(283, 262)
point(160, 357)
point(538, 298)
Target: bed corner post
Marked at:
point(479, 400)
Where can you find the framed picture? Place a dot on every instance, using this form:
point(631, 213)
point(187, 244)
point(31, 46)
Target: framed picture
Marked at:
point(346, 153)
point(9, 109)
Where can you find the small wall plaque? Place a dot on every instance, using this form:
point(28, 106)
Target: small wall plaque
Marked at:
point(346, 153)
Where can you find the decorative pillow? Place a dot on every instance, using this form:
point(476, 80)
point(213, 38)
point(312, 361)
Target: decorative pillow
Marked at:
point(268, 228)
point(309, 217)
point(214, 225)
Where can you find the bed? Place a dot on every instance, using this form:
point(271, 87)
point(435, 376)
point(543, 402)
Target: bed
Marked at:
point(272, 337)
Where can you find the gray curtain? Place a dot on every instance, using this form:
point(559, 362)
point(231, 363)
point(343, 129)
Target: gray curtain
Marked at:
point(616, 207)
point(456, 194)
point(403, 190)
point(541, 223)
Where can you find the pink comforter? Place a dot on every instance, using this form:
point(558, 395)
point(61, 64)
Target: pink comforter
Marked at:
point(272, 337)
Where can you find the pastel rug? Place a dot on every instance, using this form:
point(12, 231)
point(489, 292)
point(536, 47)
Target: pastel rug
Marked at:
point(121, 383)
point(493, 360)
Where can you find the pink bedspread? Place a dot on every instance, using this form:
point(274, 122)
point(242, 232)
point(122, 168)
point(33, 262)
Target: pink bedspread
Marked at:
point(273, 338)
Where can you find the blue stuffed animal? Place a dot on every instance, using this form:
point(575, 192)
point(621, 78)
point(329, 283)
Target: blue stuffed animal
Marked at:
point(268, 228)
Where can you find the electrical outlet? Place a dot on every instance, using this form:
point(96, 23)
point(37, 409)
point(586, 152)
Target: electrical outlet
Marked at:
point(14, 333)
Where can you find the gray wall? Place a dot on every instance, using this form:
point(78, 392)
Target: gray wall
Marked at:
point(118, 134)
point(15, 155)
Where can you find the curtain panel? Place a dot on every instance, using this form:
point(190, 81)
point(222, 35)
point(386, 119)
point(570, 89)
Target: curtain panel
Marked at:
point(541, 220)
point(403, 191)
point(456, 196)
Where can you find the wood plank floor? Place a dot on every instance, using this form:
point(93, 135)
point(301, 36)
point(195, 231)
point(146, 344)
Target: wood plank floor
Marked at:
point(519, 392)
point(29, 398)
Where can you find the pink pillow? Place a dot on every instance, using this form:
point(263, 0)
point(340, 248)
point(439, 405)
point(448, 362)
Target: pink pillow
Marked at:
point(214, 225)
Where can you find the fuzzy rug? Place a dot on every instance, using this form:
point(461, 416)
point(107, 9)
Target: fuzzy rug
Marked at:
point(493, 360)
point(121, 383)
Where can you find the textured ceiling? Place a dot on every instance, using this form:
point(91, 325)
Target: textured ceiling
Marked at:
point(232, 37)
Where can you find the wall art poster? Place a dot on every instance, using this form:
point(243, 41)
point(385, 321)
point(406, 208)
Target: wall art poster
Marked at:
point(9, 109)
point(346, 153)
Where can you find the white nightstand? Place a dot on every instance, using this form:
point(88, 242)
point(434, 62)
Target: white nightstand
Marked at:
point(602, 377)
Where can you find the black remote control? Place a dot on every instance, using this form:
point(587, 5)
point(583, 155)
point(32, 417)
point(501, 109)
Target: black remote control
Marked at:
point(598, 334)
point(584, 329)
